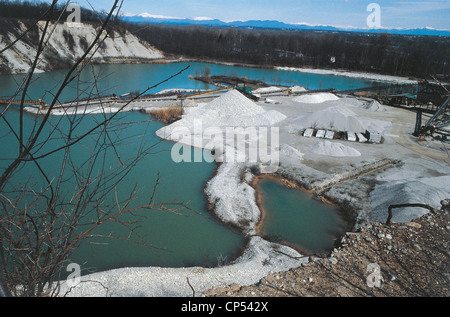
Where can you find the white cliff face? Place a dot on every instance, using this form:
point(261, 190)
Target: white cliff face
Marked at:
point(66, 43)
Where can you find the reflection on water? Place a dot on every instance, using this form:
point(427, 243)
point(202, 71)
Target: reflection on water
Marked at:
point(295, 217)
point(190, 237)
point(124, 78)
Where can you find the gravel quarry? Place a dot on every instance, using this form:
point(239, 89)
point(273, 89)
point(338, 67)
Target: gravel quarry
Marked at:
point(199, 151)
point(355, 175)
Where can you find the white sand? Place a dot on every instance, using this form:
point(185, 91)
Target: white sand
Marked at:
point(295, 89)
point(337, 118)
point(316, 98)
point(375, 106)
point(259, 259)
point(291, 152)
point(229, 110)
point(234, 200)
point(333, 149)
point(267, 90)
point(423, 190)
point(378, 77)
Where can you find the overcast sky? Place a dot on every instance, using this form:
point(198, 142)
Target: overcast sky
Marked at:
point(394, 13)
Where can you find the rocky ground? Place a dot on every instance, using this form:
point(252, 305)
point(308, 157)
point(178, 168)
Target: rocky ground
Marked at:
point(398, 260)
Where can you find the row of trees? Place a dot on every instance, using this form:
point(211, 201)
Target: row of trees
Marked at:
point(402, 55)
point(418, 56)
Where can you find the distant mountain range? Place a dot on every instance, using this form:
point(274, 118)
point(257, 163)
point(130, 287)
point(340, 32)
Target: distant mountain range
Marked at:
point(271, 24)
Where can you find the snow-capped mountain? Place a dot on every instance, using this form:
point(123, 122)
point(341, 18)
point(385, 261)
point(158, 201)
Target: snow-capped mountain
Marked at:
point(273, 24)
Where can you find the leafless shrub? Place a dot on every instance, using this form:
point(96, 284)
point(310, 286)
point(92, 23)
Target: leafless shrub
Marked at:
point(167, 115)
point(41, 224)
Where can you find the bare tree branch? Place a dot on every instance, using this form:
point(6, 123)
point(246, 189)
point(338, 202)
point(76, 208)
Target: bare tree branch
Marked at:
point(44, 219)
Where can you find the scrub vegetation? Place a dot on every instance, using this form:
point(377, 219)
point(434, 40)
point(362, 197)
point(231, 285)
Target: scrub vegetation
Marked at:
point(167, 115)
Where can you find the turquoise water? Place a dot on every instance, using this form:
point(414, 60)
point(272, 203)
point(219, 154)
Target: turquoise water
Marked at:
point(120, 79)
point(186, 238)
point(189, 238)
point(193, 238)
point(295, 217)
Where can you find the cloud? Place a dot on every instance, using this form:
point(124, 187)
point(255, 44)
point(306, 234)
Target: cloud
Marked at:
point(202, 18)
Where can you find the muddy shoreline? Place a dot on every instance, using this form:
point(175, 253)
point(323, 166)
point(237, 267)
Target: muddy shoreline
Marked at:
point(298, 186)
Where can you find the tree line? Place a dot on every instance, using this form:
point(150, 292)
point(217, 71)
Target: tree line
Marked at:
point(402, 55)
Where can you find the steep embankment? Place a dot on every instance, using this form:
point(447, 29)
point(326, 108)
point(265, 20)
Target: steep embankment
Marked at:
point(68, 41)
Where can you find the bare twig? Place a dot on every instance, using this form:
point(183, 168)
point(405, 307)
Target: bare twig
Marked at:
point(41, 224)
point(189, 283)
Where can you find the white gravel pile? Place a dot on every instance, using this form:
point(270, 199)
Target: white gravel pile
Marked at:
point(333, 149)
point(267, 90)
point(234, 201)
point(427, 190)
point(290, 152)
point(375, 106)
point(200, 125)
point(337, 118)
point(316, 98)
point(295, 89)
point(232, 103)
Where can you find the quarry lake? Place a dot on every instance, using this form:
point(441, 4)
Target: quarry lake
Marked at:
point(293, 216)
point(121, 79)
point(185, 238)
point(193, 237)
